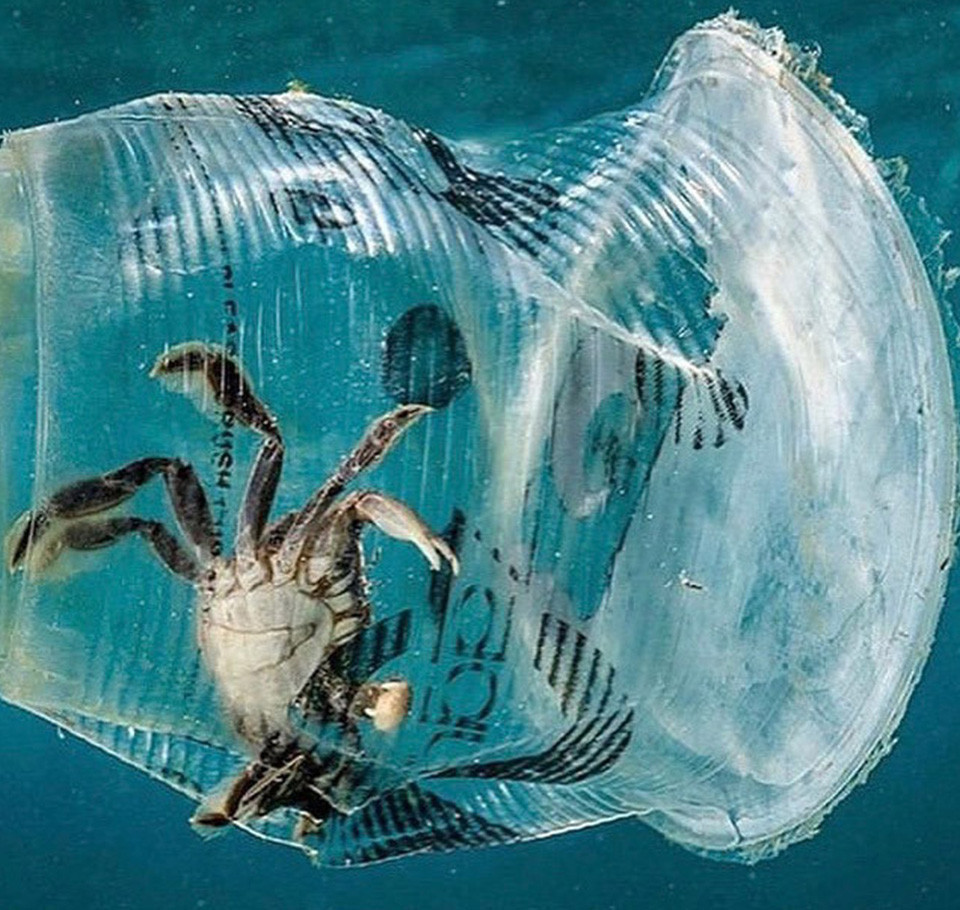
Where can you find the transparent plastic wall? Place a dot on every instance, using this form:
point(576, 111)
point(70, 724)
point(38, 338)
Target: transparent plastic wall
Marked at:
point(691, 439)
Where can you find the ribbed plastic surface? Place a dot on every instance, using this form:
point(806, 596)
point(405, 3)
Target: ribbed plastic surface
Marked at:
point(693, 441)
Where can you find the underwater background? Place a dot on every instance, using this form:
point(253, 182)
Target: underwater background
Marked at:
point(79, 829)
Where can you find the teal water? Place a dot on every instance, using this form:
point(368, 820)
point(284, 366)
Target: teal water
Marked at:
point(82, 830)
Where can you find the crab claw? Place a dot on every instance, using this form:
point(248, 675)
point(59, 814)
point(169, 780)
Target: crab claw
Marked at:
point(400, 521)
point(208, 375)
point(387, 704)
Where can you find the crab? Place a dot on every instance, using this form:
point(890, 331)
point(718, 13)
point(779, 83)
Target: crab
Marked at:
point(269, 616)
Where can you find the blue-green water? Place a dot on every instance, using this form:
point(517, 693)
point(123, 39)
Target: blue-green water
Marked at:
point(79, 829)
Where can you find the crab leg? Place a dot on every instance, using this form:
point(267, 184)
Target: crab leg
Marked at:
point(399, 521)
point(387, 703)
point(293, 779)
point(380, 437)
point(258, 498)
point(95, 534)
point(208, 372)
point(41, 529)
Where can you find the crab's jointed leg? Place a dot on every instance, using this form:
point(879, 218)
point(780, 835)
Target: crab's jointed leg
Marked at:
point(208, 369)
point(315, 784)
point(399, 521)
point(64, 520)
point(292, 778)
point(94, 534)
point(380, 437)
point(385, 703)
point(258, 498)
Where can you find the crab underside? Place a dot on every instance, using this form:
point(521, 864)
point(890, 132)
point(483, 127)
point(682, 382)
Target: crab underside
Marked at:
point(270, 615)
